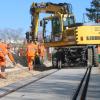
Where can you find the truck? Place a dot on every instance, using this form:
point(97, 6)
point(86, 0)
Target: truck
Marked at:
point(74, 44)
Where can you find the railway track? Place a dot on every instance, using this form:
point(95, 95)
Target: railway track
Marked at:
point(80, 89)
point(35, 78)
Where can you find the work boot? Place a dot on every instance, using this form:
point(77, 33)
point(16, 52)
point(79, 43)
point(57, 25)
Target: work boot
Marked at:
point(30, 68)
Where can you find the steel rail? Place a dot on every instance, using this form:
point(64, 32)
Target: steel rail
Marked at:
point(83, 86)
point(39, 77)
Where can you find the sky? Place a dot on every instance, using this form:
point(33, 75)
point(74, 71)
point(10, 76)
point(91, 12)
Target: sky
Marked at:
point(15, 13)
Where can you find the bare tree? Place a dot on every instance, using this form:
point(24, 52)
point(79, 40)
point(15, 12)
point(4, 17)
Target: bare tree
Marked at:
point(9, 34)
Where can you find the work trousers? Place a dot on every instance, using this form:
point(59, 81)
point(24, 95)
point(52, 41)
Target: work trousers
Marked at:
point(30, 62)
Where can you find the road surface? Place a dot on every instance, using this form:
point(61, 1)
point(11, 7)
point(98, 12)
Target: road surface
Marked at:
point(57, 86)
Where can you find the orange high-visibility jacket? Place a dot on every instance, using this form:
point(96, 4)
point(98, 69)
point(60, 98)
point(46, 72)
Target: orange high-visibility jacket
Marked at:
point(31, 49)
point(11, 56)
point(42, 50)
point(3, 53)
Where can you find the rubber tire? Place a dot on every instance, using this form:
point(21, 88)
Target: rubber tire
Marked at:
point(90, 56)
point(95, 57)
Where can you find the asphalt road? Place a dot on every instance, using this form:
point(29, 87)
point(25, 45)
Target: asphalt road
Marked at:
point(58, 86)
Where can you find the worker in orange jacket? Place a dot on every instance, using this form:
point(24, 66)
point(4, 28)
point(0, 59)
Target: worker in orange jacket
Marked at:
point(31, 53)
point(3, 52)
point(21, 52)
point(41, 52)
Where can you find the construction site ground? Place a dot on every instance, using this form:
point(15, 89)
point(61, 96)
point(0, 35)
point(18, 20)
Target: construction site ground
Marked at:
point(20, 71)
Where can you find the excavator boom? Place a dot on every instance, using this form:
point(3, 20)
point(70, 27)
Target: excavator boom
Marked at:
point(50, 8)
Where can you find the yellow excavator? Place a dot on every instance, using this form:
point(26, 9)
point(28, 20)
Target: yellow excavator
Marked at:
point(73, 43)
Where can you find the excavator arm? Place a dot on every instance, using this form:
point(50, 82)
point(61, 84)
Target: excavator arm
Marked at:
point(50, 8)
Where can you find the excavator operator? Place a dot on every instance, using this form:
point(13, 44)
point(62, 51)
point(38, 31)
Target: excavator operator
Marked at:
point(3, 52)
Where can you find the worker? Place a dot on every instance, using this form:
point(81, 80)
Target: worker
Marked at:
point(59, 58)
point(41, 52)
point(21, 52)
point(3, 52)
point(31, 53)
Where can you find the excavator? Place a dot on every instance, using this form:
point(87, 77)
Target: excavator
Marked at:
point(73, 43)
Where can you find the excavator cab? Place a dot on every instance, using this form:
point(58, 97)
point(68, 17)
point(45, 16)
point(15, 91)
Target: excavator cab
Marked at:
point(55, 30)
point(58, 26)
point(68, 21)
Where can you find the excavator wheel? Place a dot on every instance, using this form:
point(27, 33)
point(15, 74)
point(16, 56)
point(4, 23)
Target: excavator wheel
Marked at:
point(89, 56)
point(95, 57)
point(92, 57)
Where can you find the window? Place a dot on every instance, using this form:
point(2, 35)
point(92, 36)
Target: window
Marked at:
point(69, 21)
point(56, 29)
